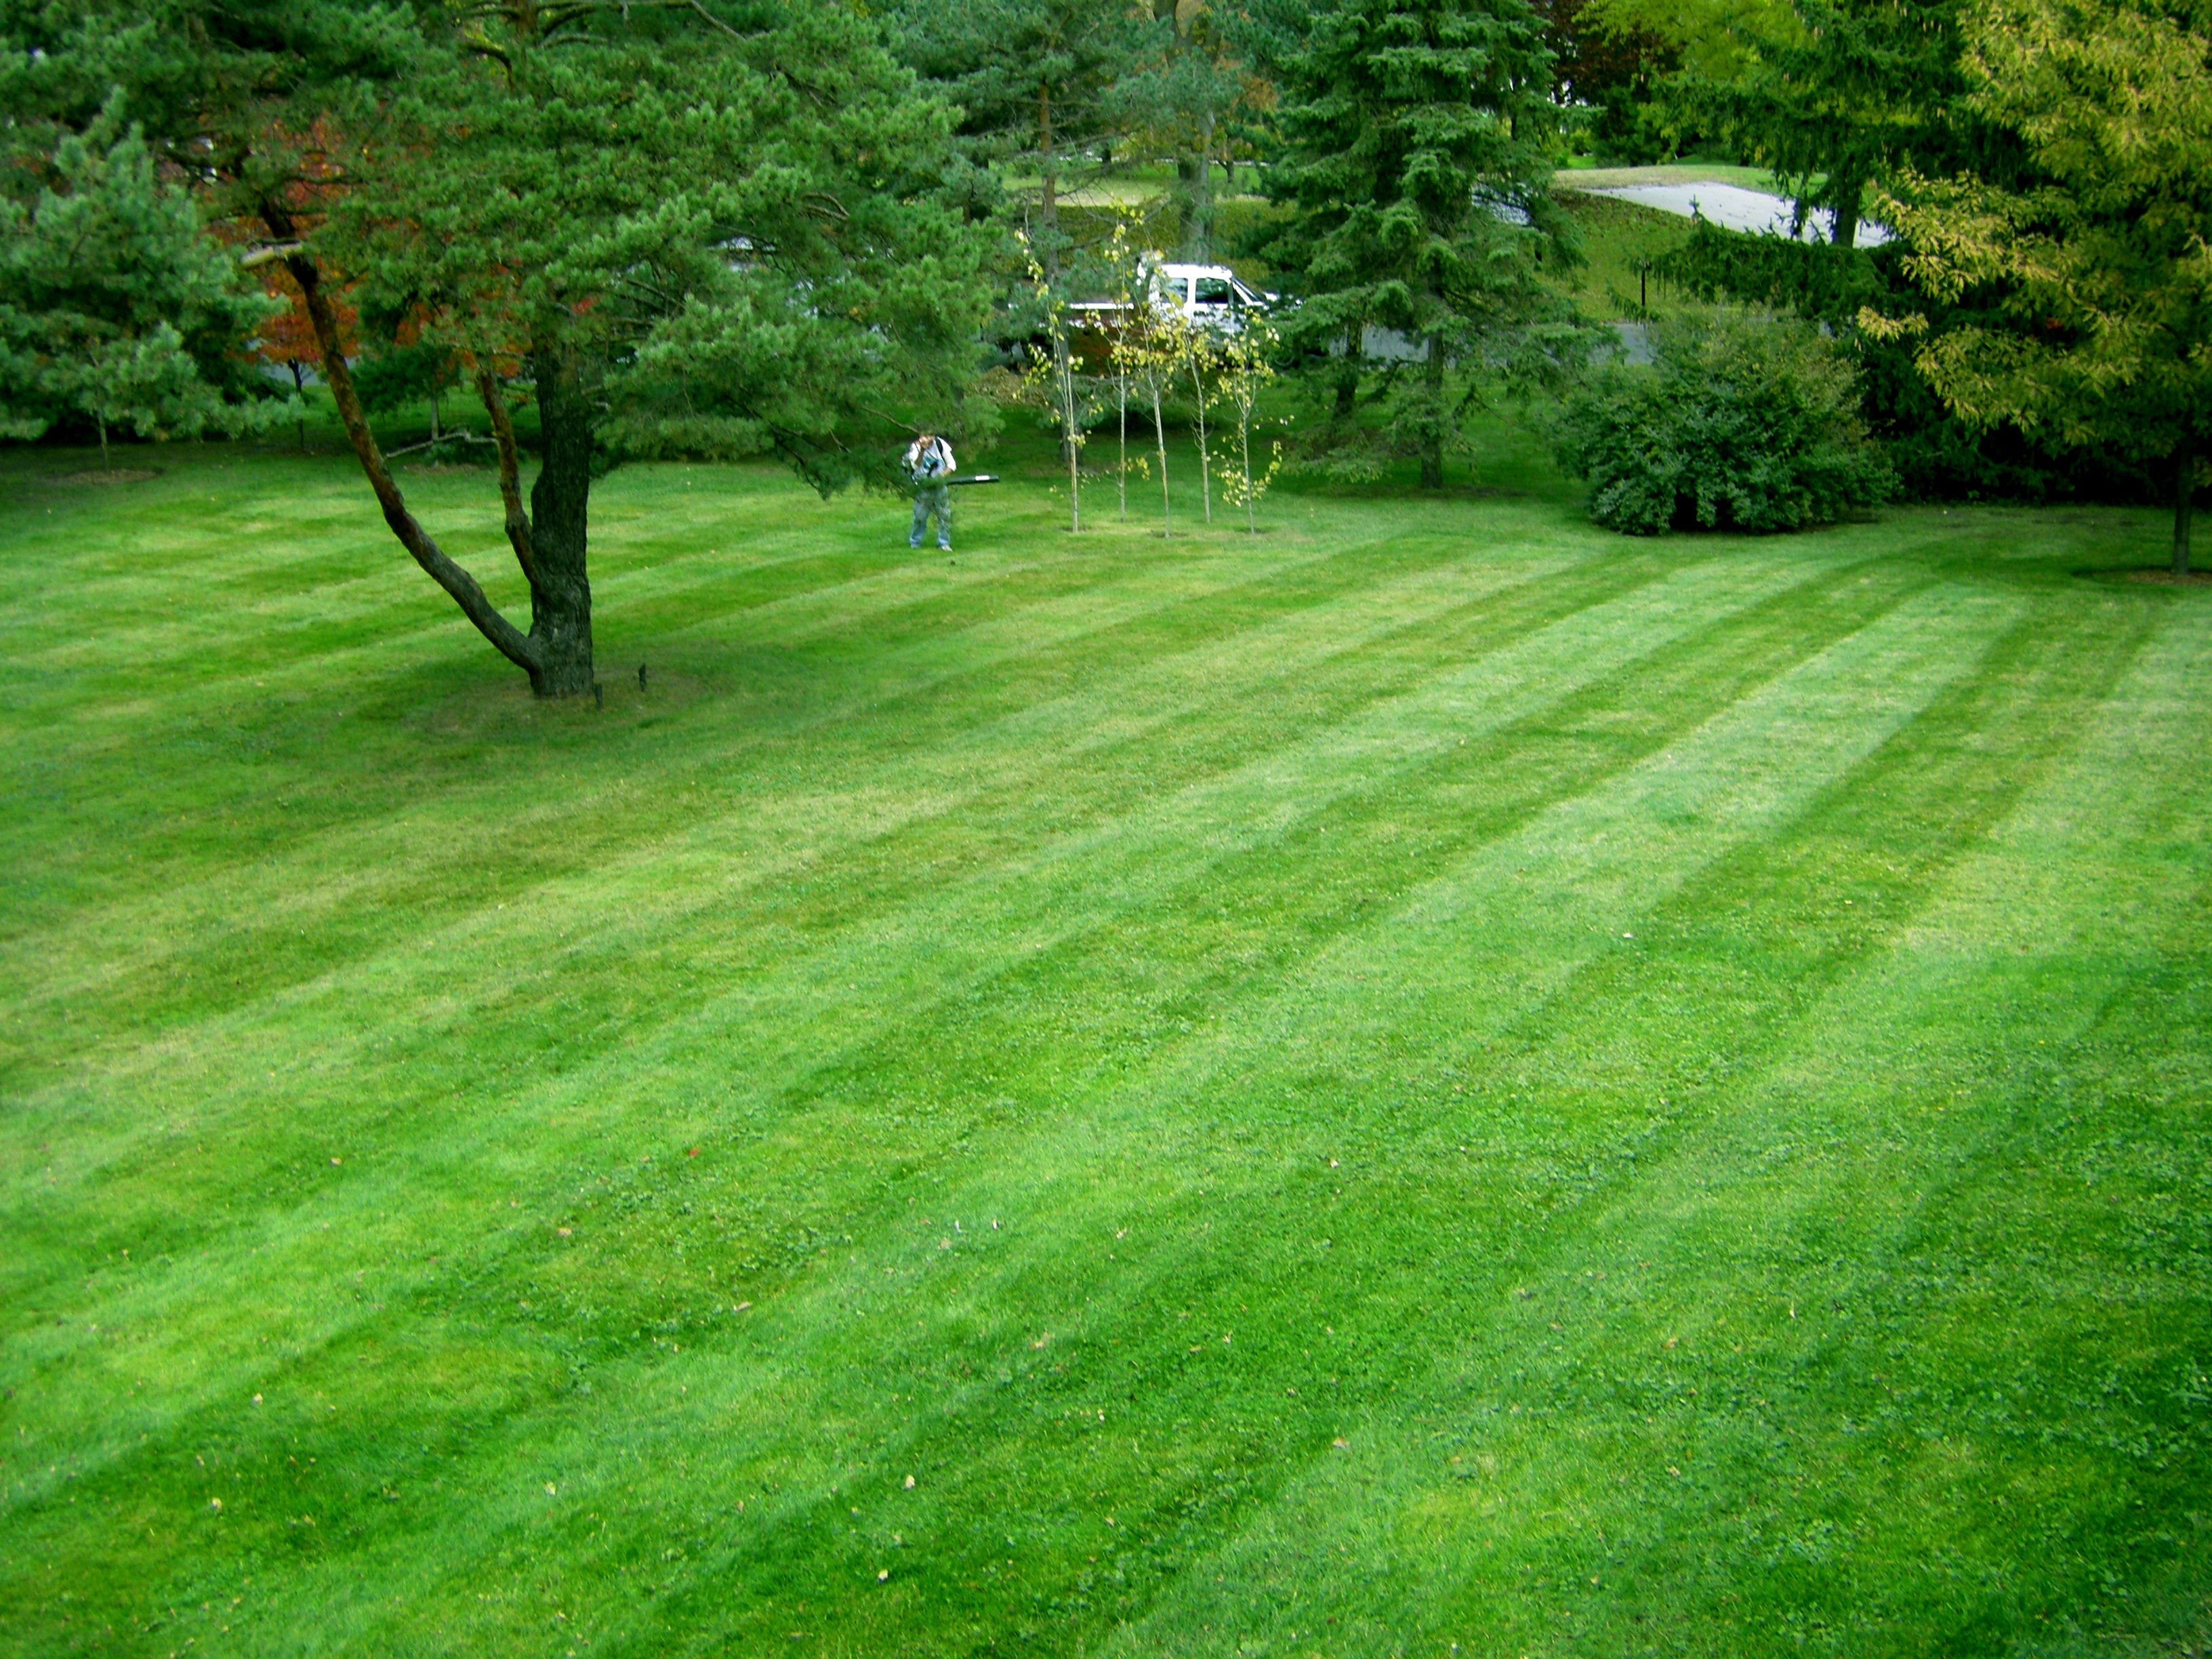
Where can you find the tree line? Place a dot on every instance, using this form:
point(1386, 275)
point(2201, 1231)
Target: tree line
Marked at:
point(728, 228)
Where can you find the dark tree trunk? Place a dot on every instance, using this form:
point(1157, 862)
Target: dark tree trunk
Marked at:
point(1849, 194)
point(1049, 218)
point(1347, 383)
point(560, 588)
point(463, 589)
point(1433, 446)
point(2184, 504)
point(1197, 175)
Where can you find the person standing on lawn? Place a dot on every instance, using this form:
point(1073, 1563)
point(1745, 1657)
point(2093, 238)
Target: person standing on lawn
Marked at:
point(929, 463)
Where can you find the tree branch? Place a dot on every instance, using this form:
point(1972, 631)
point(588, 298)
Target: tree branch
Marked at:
point(511, 641)
point(510, 472)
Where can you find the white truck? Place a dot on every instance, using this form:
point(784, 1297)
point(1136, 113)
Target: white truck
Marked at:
point(1211, 297)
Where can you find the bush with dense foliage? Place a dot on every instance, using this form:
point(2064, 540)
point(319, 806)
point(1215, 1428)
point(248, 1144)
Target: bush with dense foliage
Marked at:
point(1749, 424)
point(1937, 455)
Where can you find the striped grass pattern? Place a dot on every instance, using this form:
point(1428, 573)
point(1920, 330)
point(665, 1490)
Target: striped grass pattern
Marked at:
point(1432, 1081)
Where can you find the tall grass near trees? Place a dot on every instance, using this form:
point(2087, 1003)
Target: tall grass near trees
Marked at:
point(1431, 1077)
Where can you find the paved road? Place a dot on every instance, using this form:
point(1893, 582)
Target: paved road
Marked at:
point(1733, 208)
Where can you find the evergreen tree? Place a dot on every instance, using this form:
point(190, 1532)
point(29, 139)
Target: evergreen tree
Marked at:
point(1190, 83)
point(1833, 95)
point(116, 308)
point(1836, 94)
point(1416, 133)
point(702, 228)
point(1041, 86)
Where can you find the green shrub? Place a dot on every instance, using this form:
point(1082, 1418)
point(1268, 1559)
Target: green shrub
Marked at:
point(1749, 424)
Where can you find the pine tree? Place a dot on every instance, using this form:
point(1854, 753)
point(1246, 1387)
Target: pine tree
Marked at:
point(1039, 83)
point(1190, 83)
point(1417, 135)
point(115, 305)
point(699, 228)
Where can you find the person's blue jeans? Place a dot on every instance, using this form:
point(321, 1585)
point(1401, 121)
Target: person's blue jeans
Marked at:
point(938, 498)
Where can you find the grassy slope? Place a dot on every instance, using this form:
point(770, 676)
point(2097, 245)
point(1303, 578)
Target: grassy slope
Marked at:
point(1433, 1078)
point(1575, 175)
point(1617, 239)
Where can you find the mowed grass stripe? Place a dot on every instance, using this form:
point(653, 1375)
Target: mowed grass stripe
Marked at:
point(1078, 862)
point(1077, 1081)
point(818, 806)
point(1763, 1322)
point(1386, 1351)
point(815, 1531)
point(1898, 666)
point(1197, 668)
point(273, 553)
point(1892, 664)
point(273, 733)
point(325, 1129)
point(653, 575)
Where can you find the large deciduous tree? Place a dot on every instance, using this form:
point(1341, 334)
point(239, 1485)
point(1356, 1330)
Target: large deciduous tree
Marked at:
point(1417, 137)
point(2102, 269)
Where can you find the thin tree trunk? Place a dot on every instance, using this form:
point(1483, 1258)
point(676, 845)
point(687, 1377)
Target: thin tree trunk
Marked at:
point(2184, 504)
point(1205, 461)
point(1050, 217)
point(560, 589)
point(101, 421)
point(1160, 436)
point(1432, 447)
point(510, 472)
point(300, 390)
point(512, 644)
point(1121, 477)
point(1069, 433)
point(1063, 370)
point(1244, 443)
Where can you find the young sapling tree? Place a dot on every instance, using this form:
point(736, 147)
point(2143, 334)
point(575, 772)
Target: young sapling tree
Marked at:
point(1052, 371)
point(1246, 364)
point(1152, 341)
point(1202, 347)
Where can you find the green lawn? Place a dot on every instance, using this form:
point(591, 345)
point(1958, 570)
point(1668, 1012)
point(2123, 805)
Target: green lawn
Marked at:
point(1436, 1080)
point(1621, 242)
